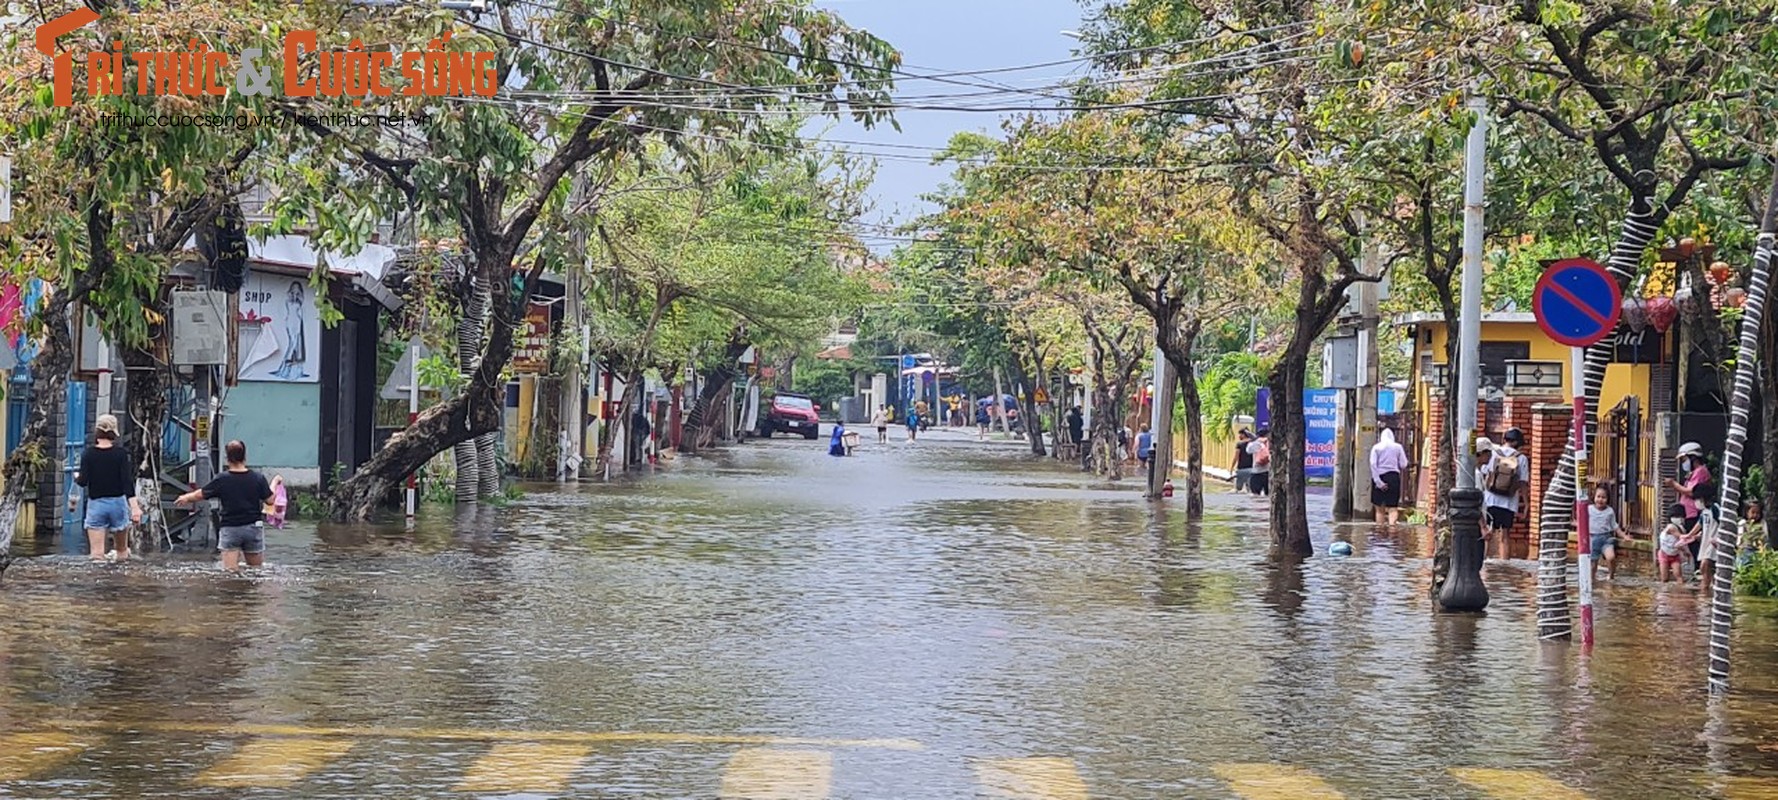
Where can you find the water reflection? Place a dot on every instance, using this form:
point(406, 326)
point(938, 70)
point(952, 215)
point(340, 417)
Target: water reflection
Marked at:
point(984, 604)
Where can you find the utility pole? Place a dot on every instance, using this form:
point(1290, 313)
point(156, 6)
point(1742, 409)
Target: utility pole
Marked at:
point(1343, 455)
point(1369, 375)
point(1161, 460)
point(1463, 589)
point(573, 388)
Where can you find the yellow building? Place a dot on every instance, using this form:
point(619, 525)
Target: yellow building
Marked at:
point(1519, 360)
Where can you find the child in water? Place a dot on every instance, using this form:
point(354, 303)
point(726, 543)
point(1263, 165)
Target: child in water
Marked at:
point(1673, 540)
point(1602, 528)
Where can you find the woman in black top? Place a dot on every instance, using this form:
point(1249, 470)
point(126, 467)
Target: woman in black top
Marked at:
point(109, 478)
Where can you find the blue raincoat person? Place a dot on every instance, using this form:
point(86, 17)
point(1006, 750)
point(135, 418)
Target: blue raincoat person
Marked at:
point(837, 447)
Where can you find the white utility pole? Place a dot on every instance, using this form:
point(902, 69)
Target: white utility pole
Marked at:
point(1368, 378)
point(1161, 425)
point(1463, 589)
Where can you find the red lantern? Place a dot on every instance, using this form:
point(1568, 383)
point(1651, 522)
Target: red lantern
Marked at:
point(1661, 313)
point(1719, 272)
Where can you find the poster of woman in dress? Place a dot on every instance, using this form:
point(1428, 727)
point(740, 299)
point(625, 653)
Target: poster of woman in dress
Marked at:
point(280, 326)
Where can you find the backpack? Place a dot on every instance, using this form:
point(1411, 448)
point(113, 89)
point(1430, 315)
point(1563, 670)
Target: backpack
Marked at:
point(1263, 458)
point(1503, 474)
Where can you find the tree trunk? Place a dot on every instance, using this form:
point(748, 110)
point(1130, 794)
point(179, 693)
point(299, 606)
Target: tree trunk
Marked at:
point(627, 409)
point(49, 371)
point(1444, 448)
point(145, 401)
point(471, 333)
point(1028, 410)
point(1177, 344)
point(1553, 619)
point(717, 385)
point(1194, 433)
point(1288, 484)
point(1768, 369)
point(475, 412)
point(1728, 532)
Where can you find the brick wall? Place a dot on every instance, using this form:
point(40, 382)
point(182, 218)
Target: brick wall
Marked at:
point(1435, 421)
point(1548, 434)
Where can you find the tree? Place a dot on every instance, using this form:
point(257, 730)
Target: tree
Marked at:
point(1260, 125)
point(610, 76)
point(744, 245)
point(1645, 88)
point(106, 204)
point(1090, 195)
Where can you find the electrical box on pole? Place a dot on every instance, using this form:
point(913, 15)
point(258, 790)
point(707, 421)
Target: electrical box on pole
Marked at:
point(200, 328)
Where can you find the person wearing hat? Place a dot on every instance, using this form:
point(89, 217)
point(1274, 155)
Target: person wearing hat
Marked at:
point(1693, 482)
point(1505, 479)
point(109, 478)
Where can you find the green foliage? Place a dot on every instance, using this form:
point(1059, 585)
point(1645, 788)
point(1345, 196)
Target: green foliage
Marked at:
point(1758, 575)
point(1228, 389)
point(307, 506)
point(823, 380)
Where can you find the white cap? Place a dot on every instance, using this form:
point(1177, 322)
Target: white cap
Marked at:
point(1690, 449)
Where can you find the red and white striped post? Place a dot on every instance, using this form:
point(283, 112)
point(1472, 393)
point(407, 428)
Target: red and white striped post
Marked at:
point(1582, 529)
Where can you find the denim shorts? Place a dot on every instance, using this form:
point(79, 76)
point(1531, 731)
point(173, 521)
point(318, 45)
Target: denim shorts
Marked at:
point(107, 513)
point(245, 538)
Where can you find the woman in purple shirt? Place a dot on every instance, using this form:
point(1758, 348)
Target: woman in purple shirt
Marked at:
point(1388, 462)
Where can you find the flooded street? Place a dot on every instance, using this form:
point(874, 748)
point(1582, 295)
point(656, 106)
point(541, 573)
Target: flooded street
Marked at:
point(940, 620)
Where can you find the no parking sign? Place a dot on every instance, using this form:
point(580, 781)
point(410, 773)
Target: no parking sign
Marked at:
point(1576, 302)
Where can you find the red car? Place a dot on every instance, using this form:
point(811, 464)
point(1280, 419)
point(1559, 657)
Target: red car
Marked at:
point(791, 413)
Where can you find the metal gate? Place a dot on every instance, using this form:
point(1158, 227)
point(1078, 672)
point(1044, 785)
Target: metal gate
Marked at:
point(73, 538)
point(1620, 443)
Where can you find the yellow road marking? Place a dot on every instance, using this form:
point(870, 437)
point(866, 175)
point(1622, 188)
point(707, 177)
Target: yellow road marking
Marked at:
point(524, 767)
point(1750, 789)
point(23, 755)
point(1046, 778)
point(1516, 784)
point(477, 734)
point(761, 773)
point(274, 763)
point(1275, 782)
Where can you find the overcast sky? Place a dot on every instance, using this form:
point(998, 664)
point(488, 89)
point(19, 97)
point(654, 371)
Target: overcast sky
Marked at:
point(946, 36)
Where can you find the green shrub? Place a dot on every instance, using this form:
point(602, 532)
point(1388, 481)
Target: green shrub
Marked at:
point(1759, 575)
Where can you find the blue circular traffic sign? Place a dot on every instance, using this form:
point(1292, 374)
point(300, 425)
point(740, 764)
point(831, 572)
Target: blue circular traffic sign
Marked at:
point(1576, 302)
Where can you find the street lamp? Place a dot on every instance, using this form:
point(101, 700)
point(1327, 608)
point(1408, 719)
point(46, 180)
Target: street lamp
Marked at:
point(1463, 589)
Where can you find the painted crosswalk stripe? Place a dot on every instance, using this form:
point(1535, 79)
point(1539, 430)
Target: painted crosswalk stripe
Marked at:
point(1044, 778)
point(274, 762)
point(765, 773)
point(24, 755)
point(524, 767)
point(1516, 784)
point(1275, 782)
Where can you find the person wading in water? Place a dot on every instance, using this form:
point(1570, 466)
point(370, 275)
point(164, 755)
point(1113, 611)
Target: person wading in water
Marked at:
point(243, 493)
point(109, 478)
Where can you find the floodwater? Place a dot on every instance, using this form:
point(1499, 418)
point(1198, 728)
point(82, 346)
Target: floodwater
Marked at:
point(939, 620)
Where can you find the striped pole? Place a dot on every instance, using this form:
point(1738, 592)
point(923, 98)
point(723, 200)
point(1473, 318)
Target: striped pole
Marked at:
point(1553, 619)
point(1728, 530)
